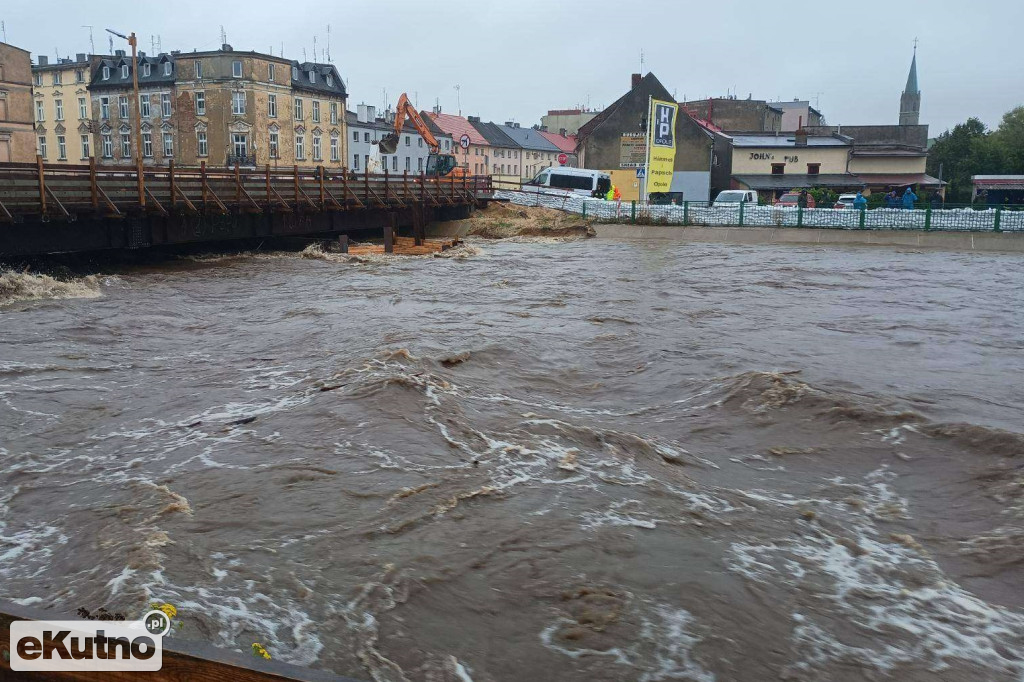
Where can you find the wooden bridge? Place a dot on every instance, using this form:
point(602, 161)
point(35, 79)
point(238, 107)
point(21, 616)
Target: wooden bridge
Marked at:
point(60, 208)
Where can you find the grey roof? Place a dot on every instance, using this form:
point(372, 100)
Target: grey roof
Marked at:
point(528, 138)
point(322, 71)
point(117, 80)
point(912, 76)
point(786, 141)
point(789, 181)
point(494, 134)
point(352, 120)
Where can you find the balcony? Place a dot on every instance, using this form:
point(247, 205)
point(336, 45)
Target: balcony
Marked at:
point(245, 160)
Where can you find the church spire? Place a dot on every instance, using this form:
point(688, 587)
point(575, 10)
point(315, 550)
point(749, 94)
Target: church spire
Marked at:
point(910, 100)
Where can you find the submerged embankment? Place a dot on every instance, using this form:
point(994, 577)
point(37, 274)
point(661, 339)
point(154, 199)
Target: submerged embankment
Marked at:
point(589, 460)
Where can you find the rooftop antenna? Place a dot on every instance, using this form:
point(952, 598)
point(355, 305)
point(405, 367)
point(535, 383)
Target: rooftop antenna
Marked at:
point(223, 35)
point(314, 48)
point(328, 43)
point(92, 45)
point(3, 27)
point(159, 43)
point(458, 97)
point(282, 48)
point(817, 101)
point(111, 39)
point(152, 43)
point(304, 55)
point(641, 61)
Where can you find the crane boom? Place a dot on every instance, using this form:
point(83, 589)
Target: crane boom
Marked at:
point(404, 110)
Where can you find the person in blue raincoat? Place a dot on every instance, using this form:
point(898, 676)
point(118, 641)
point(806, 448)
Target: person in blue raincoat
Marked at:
point(860, 203)
point(909, 198)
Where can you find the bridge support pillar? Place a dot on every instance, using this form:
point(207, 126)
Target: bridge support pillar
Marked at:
point(343, 243)
point(389, 234)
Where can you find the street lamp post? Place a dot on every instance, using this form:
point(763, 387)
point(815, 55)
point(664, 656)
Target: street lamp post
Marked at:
point(138, 116)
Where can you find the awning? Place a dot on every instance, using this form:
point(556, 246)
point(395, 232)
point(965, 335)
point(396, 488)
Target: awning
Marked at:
point(788, 181)
point(1006, 182)
point(900, 180)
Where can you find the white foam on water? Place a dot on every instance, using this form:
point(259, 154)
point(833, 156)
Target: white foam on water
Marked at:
point(620, 513)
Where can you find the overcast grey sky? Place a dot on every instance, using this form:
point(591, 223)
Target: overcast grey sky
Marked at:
point(516, 60)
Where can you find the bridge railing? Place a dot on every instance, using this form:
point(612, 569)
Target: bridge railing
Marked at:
point(63, 191)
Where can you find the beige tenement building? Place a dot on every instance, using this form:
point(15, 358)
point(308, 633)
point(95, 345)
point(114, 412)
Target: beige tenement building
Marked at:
point(62, 109)
point(16, 136)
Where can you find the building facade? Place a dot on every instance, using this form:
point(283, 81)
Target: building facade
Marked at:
point(536, 152)
point(797, 114)
point(566, 121)
point(731, 114)
point(62, 109)
point(17, 138)
point(474, 155)
point(775, 164)
point(114, 109)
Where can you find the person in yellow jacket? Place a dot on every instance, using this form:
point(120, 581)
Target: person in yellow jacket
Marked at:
point(610, 195)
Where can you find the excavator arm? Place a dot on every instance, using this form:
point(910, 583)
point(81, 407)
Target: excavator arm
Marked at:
point(389, 143)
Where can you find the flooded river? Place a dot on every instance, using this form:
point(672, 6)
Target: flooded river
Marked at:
point(593, 460)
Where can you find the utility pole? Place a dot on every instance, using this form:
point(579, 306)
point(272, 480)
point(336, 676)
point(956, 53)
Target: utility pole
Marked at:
point(138, 116)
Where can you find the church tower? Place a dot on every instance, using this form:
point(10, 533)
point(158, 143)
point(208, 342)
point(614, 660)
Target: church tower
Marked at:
point(910, 100)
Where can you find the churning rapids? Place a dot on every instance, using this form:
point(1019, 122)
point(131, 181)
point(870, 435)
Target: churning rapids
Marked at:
point(593, 460)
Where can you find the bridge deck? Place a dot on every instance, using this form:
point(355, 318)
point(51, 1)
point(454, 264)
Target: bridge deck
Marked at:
point(56, 192)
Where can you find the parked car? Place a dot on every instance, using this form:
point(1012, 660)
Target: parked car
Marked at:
point(732, 197)
point(845, 201)
point(790, 199)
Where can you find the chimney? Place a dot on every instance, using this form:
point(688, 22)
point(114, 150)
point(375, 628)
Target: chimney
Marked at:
point(226, 48)
point(543, 129)
point(563, 132)
point(801, 134)
point(118, 53)
point(80, 57)
point(473, 119)
point(635, 81)
point(361, 113)
point(510, 124)
point(43, 60)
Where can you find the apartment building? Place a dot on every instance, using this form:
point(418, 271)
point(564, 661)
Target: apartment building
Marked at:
point(62, 109)
point(16, 133)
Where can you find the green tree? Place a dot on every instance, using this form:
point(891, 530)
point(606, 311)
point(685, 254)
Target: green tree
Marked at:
point(1008, 140)
point(960, 153)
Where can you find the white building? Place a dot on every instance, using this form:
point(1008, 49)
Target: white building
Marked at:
point(365, 129)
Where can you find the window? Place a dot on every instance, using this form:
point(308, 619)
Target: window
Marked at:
point(316, 111)
point(201, 139)
point(62, 148)
point(168, 145)
point(106, 73)
point(272, 106)
point(38, 79)
point(108, 147)
point(39, 111)
point(122, 107)
point(335, 155)
point(300, 147)
point(366, 137)
point(124, 71)
point(85, 146)
point(298, 109)
point(273, 146)
point(200, 102)
point(295, 73)
point(270, 72)
point(167, 68)
point(778, 169)
point(316, 148)
point(199, 68)
point(355, 136)
point(394, 162)
point(408, 142)
point(238, 103)
point(56, 78)
point(147, 145)
point(330, 80)
point(312, 76)
point(334, 113)
point(408, 163)
point(419, 164)
point(239, 145)
point(79, 76)
point(83, 110)
point(355, 162)
point(236, 69)
point(165, 104)
point(126, 146)
point(419, 142)
point(146, 112)
point(813, 168)
point(58, 109)
point(147, 69)
point(42, 146)
point(104, 107)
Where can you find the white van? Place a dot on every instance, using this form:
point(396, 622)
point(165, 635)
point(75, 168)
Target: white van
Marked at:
point(732, 197)
point(562, 180)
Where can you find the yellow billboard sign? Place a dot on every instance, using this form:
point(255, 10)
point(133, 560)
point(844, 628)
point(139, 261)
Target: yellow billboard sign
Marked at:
point(662, 145)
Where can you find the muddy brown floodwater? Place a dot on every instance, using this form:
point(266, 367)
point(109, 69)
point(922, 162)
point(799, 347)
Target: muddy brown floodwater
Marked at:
point(593, 460)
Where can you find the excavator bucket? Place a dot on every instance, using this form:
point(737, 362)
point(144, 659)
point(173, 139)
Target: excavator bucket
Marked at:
point(389, 143)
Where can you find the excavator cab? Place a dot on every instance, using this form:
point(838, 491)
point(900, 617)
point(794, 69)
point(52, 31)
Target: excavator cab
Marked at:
point(440, 164)
point(389, 143)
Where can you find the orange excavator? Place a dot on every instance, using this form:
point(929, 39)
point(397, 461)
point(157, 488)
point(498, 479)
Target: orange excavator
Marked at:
point(438, 164)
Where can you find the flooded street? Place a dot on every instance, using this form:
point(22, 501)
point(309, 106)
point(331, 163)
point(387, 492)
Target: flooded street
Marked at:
point(592, 460)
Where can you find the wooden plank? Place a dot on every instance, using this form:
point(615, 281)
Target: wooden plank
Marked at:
point(56, 201)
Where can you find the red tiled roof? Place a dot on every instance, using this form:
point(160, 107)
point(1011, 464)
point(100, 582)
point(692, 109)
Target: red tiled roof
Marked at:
point(457, 126)
point(566, 144)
